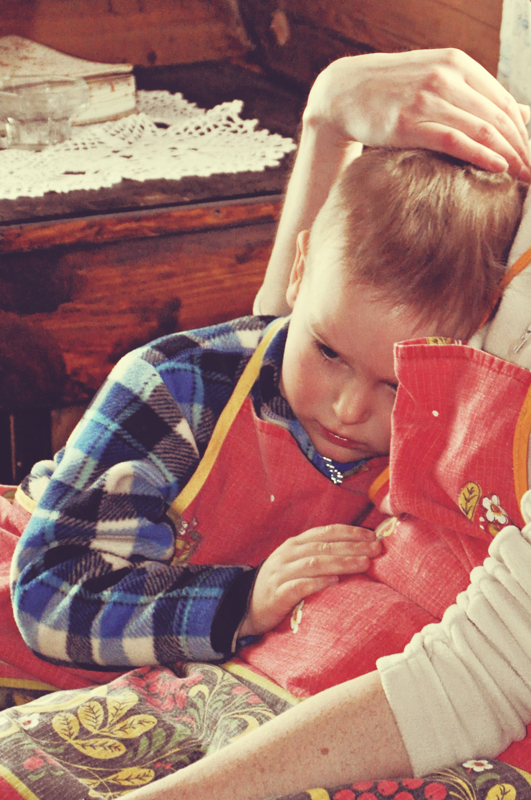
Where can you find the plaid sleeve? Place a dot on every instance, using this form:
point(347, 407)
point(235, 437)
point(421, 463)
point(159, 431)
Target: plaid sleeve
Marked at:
point(92, 577)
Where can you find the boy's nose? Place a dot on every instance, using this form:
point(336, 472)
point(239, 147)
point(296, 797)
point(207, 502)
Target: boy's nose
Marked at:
point(353, 406)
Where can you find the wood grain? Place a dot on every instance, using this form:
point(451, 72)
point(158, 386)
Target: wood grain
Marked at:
point(124, 294)
point(327, 29)
point(135, 225)
point(471, 25)
point(132, 31)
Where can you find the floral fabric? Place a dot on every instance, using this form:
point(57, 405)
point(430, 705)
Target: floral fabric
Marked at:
point(106, 741)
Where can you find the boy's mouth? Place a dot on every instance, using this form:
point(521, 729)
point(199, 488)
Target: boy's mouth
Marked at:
point(342, 441)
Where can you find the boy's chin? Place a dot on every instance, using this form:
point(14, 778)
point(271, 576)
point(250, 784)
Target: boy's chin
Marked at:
point(346, 455)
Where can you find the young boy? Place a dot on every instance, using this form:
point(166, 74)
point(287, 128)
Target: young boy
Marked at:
point(256, 439)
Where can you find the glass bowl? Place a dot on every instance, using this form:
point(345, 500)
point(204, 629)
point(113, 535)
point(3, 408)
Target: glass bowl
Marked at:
point(37, 111)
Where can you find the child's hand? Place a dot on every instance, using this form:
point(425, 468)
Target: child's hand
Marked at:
point(303, 565)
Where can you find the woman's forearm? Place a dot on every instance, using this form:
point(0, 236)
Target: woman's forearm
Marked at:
point(320, 158)
point(347, 733)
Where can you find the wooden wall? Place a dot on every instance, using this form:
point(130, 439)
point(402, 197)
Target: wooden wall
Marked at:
point(292, 37)
point(144, 32)
point(299, 37)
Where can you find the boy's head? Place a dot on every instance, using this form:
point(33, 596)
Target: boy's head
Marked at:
point(408, 244)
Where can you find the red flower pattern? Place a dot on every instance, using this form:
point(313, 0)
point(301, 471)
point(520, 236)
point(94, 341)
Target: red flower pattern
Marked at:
point(33, 762)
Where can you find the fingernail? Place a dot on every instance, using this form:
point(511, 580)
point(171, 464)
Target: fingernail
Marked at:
point(502, 164)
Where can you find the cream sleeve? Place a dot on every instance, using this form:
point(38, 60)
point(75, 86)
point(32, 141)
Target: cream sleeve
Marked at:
point(462, 687)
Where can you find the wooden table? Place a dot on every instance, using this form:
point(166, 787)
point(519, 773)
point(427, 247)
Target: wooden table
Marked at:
point(86, 277)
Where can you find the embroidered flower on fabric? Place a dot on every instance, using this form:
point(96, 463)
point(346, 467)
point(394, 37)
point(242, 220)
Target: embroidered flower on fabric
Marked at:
point(28, 721)
point(187, 541)
point(478, 765)
point(495, 512)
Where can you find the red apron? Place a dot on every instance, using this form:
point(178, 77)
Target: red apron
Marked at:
point(461, 416)
point(462, 420)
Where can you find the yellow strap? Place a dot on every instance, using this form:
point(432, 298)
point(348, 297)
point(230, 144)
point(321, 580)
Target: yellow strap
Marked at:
point(26, 502)
point(227, 417)
point(520, 446)
point(519, 265)
point(22, 683)
point(377, 484)
point(249, 675)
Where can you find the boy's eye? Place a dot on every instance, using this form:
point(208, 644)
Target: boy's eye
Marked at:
point(393, 387)
point(327, 352)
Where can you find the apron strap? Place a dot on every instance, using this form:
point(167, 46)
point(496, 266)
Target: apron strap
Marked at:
point(227, 417)
point(519, 265)
point(522, 432)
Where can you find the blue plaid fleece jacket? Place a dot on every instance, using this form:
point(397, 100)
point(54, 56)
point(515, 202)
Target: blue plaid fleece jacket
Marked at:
point(93, 583)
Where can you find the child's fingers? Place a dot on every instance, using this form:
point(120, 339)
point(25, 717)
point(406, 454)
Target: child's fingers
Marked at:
point(333, 533)
point(312, 566)
point(294, 591)
point(303, 565)
point(339, 541)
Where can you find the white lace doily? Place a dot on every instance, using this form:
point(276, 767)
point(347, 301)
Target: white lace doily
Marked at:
point(169, 138)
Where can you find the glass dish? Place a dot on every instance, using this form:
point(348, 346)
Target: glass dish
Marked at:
point(37, 111)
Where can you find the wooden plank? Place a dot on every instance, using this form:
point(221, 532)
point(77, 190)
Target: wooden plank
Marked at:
point(387, 25)
point(120, 295)
point(401, 18)
point(136, 225)
point(158, 32)
point(333, 28)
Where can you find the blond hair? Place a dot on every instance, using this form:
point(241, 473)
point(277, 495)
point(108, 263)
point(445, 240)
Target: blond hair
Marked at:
point(428, 231)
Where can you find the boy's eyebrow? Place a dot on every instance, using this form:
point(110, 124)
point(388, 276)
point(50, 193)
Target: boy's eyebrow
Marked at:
point(314, 327)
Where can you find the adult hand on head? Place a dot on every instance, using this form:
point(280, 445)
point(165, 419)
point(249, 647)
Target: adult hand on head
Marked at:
point(303, 565)
point(436, 99)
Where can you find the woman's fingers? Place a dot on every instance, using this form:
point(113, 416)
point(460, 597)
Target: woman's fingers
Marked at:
point(437, 99)
point(465, 84)
point(525, 111)
point(486, 87)
point(482, 146)
point(493, 121)
point(455, 118)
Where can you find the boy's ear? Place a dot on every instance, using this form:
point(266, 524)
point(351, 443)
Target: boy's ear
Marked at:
point(297, 270)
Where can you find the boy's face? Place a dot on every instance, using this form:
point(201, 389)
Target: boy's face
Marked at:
point(338, 372)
